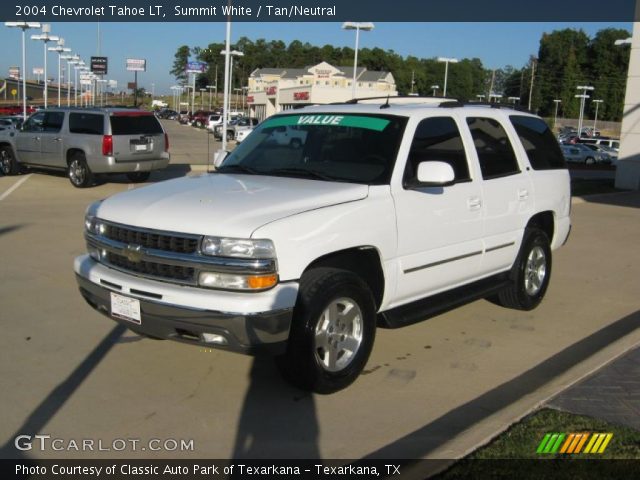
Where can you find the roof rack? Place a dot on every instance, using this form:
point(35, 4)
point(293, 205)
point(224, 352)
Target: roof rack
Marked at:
point(397, 99)
point(461, 103)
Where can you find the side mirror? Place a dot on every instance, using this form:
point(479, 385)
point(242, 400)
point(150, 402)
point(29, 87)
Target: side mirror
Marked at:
point(218, 157)
point(435, 174)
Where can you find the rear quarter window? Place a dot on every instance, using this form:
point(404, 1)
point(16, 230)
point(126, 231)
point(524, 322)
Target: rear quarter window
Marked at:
point(135, 125)
point(538, 141)
point(86, 123)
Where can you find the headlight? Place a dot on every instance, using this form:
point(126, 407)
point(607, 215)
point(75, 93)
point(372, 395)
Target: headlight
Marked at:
point(238, 247)
point(94, 225)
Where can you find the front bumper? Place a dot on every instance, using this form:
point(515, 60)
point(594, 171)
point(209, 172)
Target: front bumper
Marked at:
point(248, 333)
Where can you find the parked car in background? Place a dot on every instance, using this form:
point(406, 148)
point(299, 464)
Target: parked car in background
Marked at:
point(167, 113)
point(183, 117)
point(603, 141)
point(200, 118)
point(572, 154)
point(242, 134)
point(601, 156)
point(87, 141)
point(242, 123)
point(213, 121)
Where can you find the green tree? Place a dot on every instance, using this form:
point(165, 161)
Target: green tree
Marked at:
point(180, 63)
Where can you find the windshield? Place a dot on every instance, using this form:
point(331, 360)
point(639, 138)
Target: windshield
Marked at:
point(327, 146)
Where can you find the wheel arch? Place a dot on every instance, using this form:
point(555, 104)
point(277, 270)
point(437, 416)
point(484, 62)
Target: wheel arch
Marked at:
point(71, 152)
point(363, 261)
point(545, 221)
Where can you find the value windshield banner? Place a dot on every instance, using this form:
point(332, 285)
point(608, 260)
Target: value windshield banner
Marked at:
point(329, 120)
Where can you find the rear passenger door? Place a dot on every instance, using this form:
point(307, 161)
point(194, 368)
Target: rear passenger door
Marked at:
point(506, 190)
point(51, 144)
point(439, 228)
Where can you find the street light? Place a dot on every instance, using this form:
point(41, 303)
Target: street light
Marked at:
point(513, 100)
point(202, 90)
point(60, 48)
point(555, 115)
point(227, 103)
point(495, 96)
point(623, 41)
point(595, 119)
point(481, 97)
point(446, 61)
point(435, 88)
point(583, 99)
point(357, 26)
point(24, 26)
point(45, 38)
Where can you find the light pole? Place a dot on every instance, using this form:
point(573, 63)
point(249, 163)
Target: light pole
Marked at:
point(495, 96)
point(24, 26)
point(79, 64)
point(357, 26)
point(513, 100)
point(227, 101)
point(45, 38)
point(481, 97)
point(202, 90)
point(555, 115)
point(583, 99)
point(71, 60)
point(595, 119)
point(435, 88)
point(215, 87)
point(446, 62)
point(60, 48)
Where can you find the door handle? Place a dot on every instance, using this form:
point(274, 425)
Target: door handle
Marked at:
point(58, 139)
point(474, 203)
point(523, 194)
point(37, 138)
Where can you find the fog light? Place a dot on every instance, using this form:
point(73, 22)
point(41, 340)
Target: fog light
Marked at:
point(213, 338)
point(229, 281)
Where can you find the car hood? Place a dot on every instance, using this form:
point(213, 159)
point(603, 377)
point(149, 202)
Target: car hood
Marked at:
point(232, 205)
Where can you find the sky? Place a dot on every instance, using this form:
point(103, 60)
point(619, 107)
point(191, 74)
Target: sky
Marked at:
point(495, 44)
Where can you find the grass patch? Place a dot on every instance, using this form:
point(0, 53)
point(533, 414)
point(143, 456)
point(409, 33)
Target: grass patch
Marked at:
point(513, 453)
point(583, 186)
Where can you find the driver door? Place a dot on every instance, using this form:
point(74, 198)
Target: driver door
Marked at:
point(29, 138)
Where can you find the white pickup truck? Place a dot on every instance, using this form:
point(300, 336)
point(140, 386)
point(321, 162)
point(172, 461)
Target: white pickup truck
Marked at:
point(385, 213)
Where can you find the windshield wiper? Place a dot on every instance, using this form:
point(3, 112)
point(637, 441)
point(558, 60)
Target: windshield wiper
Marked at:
point(303, 172)
point(237, 168)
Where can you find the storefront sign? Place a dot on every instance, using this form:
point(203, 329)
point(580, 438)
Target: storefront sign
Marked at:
point(299, 96)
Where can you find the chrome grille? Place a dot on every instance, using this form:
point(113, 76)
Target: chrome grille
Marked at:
point(152, 269)
point(150, 239)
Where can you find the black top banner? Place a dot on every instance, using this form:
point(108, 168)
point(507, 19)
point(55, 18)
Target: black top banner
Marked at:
point(318, 10)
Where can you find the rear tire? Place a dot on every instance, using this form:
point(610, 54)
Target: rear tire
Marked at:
point(79, 173)
point(138, 177)
point(8, 163)
point(530, 274)
point(332, 332)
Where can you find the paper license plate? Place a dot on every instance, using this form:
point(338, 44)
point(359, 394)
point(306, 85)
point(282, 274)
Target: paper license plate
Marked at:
point(125, 308)
point(141, 147)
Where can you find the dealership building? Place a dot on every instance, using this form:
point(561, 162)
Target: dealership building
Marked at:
point(273, 90)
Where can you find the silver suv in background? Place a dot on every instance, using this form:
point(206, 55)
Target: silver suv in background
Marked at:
point(84, 142)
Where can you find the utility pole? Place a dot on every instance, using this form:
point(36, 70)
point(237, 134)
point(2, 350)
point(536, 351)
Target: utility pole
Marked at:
point(533, 71)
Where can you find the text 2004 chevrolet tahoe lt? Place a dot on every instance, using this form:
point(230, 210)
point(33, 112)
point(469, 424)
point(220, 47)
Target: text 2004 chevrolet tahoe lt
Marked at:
point(380, 214)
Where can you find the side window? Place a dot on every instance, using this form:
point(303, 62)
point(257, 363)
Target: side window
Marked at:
point(437, 139)
point(539, 143)
point(34, 123)
point(495, 152)
point(87, 123)
point(53, 121)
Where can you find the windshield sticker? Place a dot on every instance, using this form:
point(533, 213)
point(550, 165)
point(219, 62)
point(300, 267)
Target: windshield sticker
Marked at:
point(370, 123)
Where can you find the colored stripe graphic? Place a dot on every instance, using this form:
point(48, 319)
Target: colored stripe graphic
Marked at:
point(573, 443)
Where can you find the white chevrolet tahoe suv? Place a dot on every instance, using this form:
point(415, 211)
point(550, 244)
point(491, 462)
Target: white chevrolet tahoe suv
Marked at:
point(384, 213)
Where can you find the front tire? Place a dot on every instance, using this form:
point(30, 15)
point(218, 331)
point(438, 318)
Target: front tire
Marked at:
point(79, 173)
point(530, 275)
point(8, 163)
point(332, 333)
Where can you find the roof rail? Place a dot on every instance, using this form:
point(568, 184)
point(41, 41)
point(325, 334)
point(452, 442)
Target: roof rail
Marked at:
point(461, 103)
point(396, 100)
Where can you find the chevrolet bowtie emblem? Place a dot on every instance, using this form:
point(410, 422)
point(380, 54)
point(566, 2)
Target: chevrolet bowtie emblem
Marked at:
point(133, 253)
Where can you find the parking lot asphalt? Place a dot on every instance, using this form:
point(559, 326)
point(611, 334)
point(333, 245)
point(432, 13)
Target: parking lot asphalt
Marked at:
point(437, 389)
